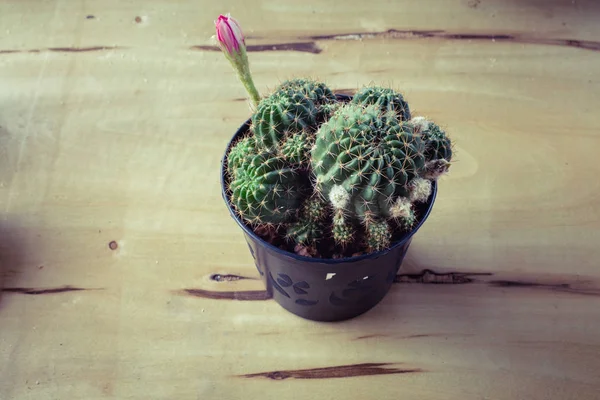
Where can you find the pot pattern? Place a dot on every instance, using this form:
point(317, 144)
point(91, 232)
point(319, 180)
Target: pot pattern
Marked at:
point(354, 291)
point(300, 288)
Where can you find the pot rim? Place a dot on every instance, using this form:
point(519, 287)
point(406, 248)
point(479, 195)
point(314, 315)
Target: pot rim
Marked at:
point(408, 236)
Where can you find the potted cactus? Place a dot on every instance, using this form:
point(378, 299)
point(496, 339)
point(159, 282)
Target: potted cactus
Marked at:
point(328, 189)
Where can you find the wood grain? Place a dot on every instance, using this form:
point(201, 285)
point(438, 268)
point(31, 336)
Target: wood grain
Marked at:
point(124, 276)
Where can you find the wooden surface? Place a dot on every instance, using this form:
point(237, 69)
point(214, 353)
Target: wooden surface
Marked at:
point(113, 119)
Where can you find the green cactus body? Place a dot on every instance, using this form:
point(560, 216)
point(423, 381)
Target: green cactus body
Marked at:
point(327, 110)
point(296, 148)
point(342, 231)
point(305, 232)
point(266, 189)
point(387, 100)
point(316, 91)
point(371, 161)
point(379, 235)
point(315, 209)
point(309, 229)
point(240, 152)
point(438, 146)
point(281, 115)
point(402, 212)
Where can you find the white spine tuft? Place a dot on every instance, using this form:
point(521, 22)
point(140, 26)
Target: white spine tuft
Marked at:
point(436, 168)
point(420, 189)
point(339, 197)
point(421, 123)
point(402, 208)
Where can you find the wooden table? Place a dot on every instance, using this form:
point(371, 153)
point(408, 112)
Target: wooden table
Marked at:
point(113, 119)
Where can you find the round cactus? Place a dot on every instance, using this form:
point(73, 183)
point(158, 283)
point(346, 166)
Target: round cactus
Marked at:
point(266, 189)
point(316, 91)
point(438, 147)
point(296, 148)
point(282, 115)
point(372, 162)
point(240, 152)
point(388, 100)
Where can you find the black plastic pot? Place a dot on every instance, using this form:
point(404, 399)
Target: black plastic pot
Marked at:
point(324, 289)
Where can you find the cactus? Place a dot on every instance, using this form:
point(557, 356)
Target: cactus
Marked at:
point(329, 109)
point(402, 212)
point(387, 100)
point(239, 152)
point(316, 91)
point(315, 209)
point(313, 90)
point(372, 162)
point(342, 231)
point(438, 147)
point(281, 115)
point(309, 229)
point(266, 190)
point(437, 144)
point(335, 176)
point(304, 232)
point(379, 235)
point(419, 190)
point(296, 148)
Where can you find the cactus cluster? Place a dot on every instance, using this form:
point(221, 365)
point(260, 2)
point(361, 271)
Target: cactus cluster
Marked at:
point(335, 176)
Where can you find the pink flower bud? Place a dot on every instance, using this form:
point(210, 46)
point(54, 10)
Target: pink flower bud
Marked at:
point(229, 34)
point(230, 39)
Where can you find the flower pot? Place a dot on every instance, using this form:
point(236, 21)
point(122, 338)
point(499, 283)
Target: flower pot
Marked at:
point(324, 289)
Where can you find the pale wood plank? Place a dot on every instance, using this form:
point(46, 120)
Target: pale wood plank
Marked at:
point(123, 144)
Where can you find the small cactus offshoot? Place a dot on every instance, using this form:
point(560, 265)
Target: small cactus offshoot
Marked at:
point(282, 115)
point(316, 91)
point(379, 235)
point(310, 226)
point(296, 148)
point(438, 147)
point(242, 149)
point(387, 100)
